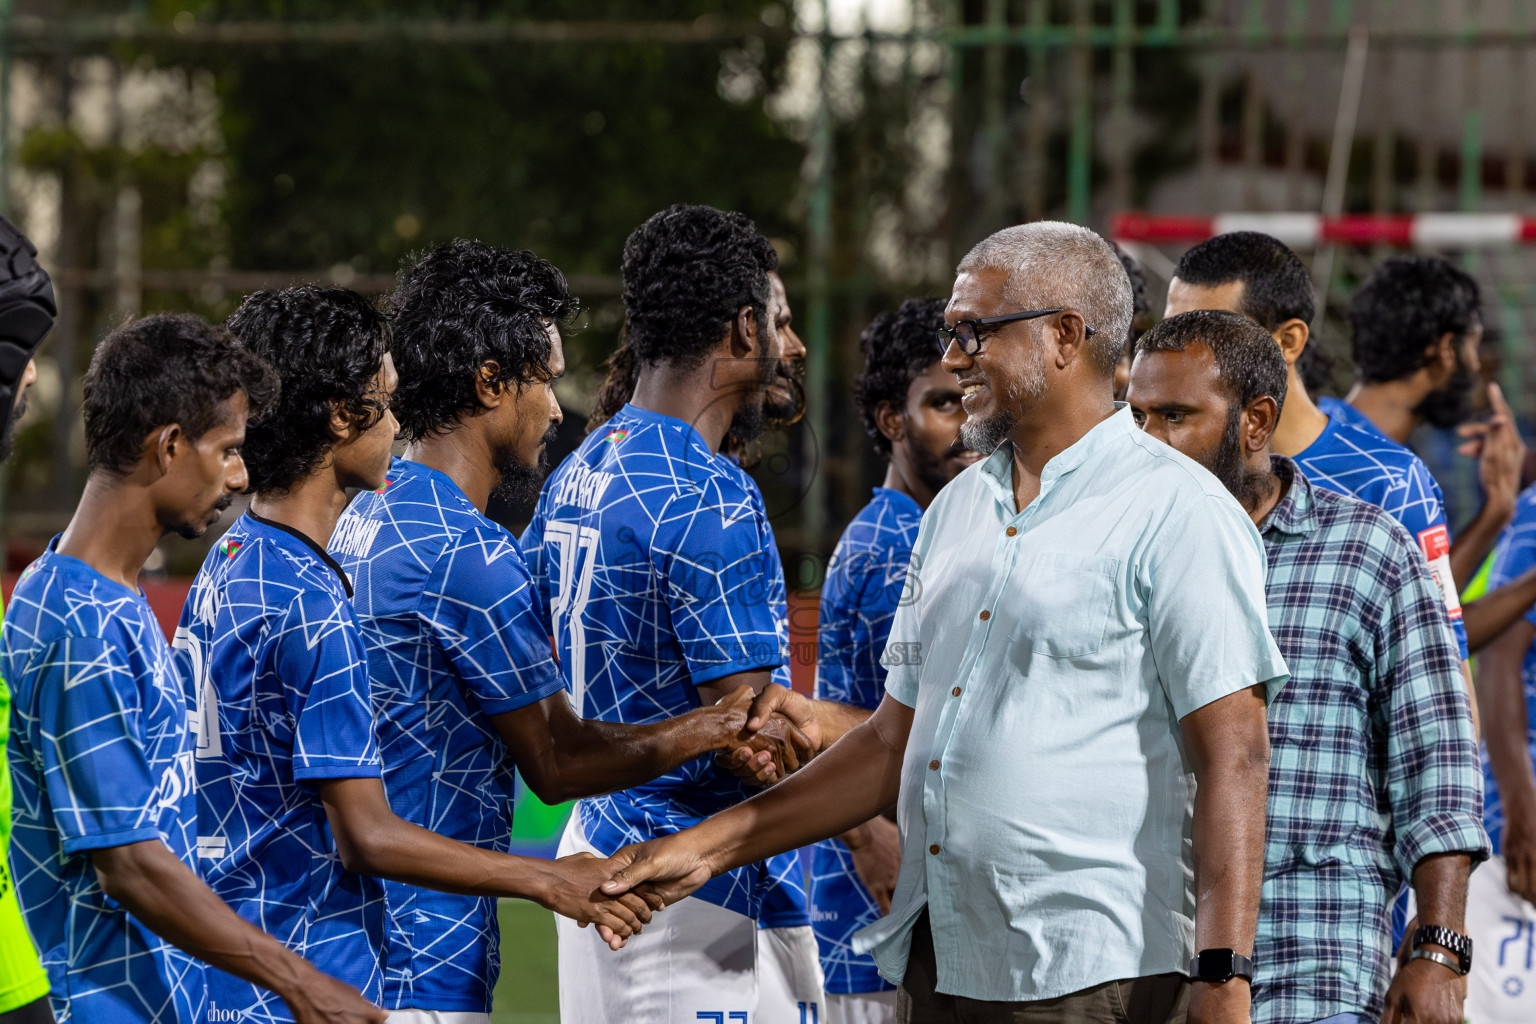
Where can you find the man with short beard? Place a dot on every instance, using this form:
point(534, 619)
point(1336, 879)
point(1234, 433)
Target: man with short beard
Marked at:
point(654, 557)
point(465, 687)
point(1074, 724)
point(1416, 335)
point(1373, 768)
point(911, 411)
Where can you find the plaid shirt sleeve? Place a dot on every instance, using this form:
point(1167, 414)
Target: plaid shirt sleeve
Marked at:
point(1434, 778)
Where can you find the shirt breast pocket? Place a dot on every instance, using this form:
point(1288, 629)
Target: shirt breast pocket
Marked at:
point(1065, 602)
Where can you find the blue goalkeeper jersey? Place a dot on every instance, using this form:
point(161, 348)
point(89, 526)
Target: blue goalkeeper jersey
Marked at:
point(100, 756)
point(1353, 457)
point(274, 657)
point(858, 601)
point(454, 635)
point(653, 561)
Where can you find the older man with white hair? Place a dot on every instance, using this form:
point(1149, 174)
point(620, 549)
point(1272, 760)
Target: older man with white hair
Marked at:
point(1074, 721)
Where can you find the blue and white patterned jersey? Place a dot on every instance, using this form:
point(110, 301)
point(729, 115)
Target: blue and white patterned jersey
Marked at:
point(654, 563)
point(858, 600)
point(1354, 458)
point(1514, 555)
point(784, 901)
point(454, 635)
point(100, 756)
point(274, 657)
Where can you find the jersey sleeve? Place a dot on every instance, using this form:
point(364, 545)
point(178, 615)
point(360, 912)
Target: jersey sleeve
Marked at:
point(1422, 514)
point(858, 604)
point(710, 550)
point(532, 545)
point(317, 655)
point(481, 607)
point(1206, 609)
point(1515, 553)
point(90, 722)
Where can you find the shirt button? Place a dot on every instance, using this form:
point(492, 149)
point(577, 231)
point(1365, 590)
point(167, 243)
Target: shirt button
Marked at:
point(955, 692)
point(985, 615)
point(934, 848)
point(933, 766)
point(1012, 531)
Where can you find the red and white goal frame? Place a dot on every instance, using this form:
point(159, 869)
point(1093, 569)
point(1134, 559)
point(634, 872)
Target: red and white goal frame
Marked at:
point(1310, 230)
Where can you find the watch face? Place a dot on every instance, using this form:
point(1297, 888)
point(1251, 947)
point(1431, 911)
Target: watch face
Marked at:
point(1214, 965)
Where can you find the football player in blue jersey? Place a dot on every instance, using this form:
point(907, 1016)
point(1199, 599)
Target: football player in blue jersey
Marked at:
point(911, 410)
point(465, 685)
point(294, 817)
point(1416, 333)
point(654, 561)
point(789, 980)
point(102, 750)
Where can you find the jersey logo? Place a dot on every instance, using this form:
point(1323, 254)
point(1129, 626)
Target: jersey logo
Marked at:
point(383, 486)
point(616, 436)
point(229, 548)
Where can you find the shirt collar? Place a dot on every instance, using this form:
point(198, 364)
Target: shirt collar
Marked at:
point(1296, 513)
point(997, 470)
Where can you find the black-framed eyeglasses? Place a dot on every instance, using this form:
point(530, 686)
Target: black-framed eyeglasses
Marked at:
point(967, 333)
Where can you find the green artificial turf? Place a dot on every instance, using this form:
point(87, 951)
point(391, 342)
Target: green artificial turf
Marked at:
point(528, 992)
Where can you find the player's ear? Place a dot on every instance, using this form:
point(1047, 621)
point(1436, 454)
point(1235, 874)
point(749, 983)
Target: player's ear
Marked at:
point(1259, 421)
point(1292, 337)
point(745, 340)
point(890, 421)
point(1440, 358)
point(488, 390)
point(168, 442)
point(341, 423)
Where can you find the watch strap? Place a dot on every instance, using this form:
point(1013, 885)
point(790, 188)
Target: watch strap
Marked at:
point(1231, 964)
point(1434, 935)
point(1439, 958)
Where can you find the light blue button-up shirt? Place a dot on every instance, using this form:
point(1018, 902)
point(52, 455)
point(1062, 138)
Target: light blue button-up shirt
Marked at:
point(1049, 655)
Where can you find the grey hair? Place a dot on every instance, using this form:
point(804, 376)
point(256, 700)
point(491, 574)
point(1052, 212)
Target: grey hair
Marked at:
point(1083, 272)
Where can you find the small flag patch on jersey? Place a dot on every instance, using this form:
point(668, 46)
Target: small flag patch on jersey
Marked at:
point(383, 486)
point(229, 547)
point(617, 436)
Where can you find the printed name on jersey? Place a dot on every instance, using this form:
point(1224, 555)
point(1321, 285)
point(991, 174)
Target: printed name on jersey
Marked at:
point(584, 486)
point(1435, 542)
point(355, 534)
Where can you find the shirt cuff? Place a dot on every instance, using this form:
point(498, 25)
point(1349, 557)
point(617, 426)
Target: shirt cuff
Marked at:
point(502, 705)
point(339, 771)
point(107, 840)
point(1442, 832)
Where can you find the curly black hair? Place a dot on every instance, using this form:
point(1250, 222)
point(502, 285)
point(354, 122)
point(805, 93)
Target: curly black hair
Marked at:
point(687, 271)
point(898, 345)
point(164, 369)
point(327, 345)
point(461, 305)
point(1402, 309)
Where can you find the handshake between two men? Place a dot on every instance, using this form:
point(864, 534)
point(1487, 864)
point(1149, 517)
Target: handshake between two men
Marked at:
point(772, 734)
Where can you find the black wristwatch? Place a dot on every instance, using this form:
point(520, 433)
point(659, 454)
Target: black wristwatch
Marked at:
point(1434, 935)
point(1219, 966)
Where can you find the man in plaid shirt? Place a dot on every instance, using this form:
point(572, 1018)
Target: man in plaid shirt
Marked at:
point(1374, 775)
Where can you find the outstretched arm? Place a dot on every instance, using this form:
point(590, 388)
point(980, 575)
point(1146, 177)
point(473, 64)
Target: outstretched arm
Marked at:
point(165, 896)
point(563, 757)
point(849, 784)
point(373, 840)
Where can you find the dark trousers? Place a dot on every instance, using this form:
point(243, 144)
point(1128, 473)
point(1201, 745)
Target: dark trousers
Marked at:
point(1158, 999)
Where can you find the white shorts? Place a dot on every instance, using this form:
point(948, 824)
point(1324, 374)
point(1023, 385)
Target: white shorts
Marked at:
point(437, 1017)
point(695, 963)
point(1502, 986)
point(788, 976)
point(860, 1008)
